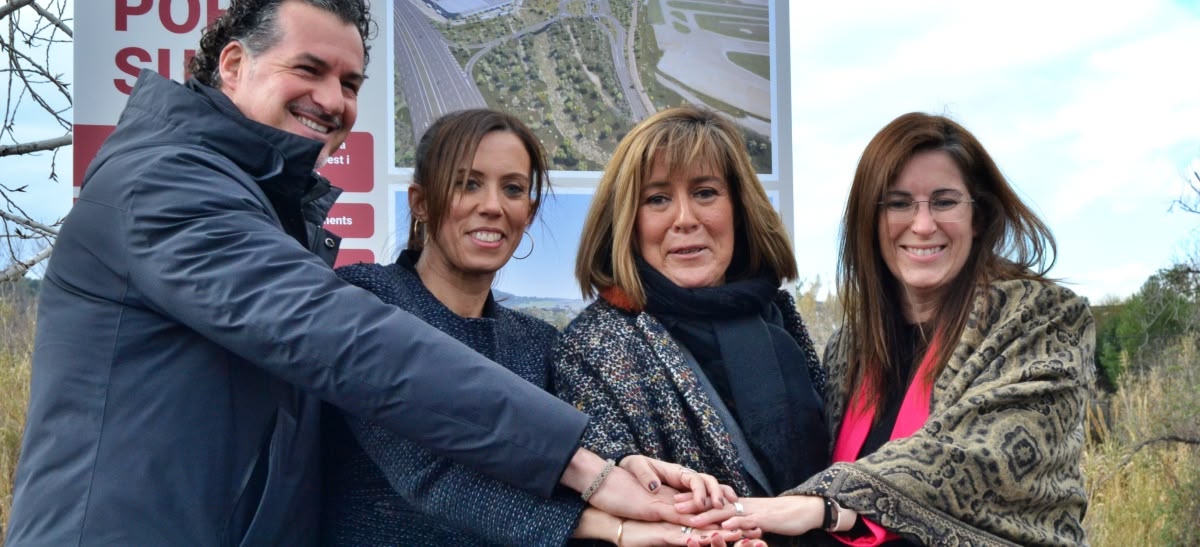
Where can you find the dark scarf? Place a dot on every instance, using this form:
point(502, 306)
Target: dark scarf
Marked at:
point(737, 335)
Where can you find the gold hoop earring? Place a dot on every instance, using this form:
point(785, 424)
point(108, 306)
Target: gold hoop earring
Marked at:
point(530, 238)
point(419, 229)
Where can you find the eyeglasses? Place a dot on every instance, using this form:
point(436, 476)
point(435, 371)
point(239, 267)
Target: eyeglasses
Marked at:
point(942, 209)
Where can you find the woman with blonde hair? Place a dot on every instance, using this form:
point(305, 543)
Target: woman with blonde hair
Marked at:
point(692, 353)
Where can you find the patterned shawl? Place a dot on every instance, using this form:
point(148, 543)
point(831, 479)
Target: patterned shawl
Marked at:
point(998, 461)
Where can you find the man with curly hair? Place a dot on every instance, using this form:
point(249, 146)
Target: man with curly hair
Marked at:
point(190, 322)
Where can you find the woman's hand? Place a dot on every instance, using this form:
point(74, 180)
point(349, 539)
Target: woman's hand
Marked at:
point(620, 492)
point(784, 515)
point(701, 487)
point(741, 543)
point(625, 495)
point(596, 524)
point(642, 534)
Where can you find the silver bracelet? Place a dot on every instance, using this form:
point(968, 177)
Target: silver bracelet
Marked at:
point(609, 464)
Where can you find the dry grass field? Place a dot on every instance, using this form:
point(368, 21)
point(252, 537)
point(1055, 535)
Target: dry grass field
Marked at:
point(1142, 468)
point(1150, 496)
point(16, 352)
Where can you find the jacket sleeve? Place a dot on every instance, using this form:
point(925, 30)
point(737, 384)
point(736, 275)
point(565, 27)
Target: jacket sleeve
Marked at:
point(594, 387)
point(997, 461)
point(205, 251)
point(464, 500)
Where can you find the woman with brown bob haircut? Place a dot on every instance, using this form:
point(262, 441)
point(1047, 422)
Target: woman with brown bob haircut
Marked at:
point(958, 380)
point(692, 353)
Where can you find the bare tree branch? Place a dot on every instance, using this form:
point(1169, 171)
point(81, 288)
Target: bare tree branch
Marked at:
point(1164, 439)
point(31, 41)
point(36, 146)
point(31, 224)
point(15, 59)
point(1191, 202)
point(51, 17)
point(18, 268)
point(13, 5)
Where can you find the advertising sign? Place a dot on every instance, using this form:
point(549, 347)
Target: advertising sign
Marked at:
point(580, 73)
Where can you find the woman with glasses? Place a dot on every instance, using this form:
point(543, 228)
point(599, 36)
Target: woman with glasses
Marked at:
point(957, 383)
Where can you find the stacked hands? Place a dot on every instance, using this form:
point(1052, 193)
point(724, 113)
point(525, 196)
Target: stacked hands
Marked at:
point(652, 502)
point(646, 501)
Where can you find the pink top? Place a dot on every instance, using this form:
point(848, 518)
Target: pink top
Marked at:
point(856, 424)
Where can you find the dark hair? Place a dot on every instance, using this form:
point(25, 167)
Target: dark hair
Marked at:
point(684, 137)
point(444, 156)
point(1011, 242)
point(255, 23)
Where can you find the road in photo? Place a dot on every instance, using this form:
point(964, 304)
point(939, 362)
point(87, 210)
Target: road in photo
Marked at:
point(581, 73)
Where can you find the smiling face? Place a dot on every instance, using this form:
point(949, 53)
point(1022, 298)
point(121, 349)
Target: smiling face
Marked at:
point(307, 83)
point(487, 213)
point(685, 225)
point(925, 254)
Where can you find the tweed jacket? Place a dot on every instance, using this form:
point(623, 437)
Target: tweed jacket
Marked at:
point(626, 371)
point(382, 489)
point(997, 462)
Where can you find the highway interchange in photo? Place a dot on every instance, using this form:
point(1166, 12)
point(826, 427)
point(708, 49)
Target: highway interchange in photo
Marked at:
point(694, 63)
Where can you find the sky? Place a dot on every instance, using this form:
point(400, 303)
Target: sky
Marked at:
point(1092, 110)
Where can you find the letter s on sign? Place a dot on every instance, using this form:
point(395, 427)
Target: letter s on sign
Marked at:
point(125, 65)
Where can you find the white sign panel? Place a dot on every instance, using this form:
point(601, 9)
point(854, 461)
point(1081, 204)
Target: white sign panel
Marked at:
point(579, 73)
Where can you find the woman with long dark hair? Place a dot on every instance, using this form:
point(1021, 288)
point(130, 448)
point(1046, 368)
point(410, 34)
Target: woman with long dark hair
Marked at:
point(958, 380)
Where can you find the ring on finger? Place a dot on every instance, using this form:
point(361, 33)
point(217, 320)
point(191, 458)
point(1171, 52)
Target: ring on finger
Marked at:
point(738, 509)
point(684, 470)
point(685, 529)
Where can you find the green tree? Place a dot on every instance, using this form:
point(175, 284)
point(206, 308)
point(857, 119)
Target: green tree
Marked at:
point(1131, 335)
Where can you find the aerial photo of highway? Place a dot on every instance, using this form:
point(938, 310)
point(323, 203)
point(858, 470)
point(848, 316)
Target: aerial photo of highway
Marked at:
point(581, 73)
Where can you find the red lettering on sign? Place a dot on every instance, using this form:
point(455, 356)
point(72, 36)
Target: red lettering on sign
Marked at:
point(352, 166)
point(351, 220)
point(191, 18)
point(126, 66)
point(124, 10)
point(213, 12)
point(127, 57)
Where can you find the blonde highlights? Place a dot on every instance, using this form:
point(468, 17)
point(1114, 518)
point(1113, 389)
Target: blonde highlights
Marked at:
point(682, 138)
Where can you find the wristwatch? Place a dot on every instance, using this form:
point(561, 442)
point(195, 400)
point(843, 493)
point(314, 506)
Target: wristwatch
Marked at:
point(833, 515)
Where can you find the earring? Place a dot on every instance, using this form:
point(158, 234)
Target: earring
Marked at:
point(530, 238)
point(420, 231)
